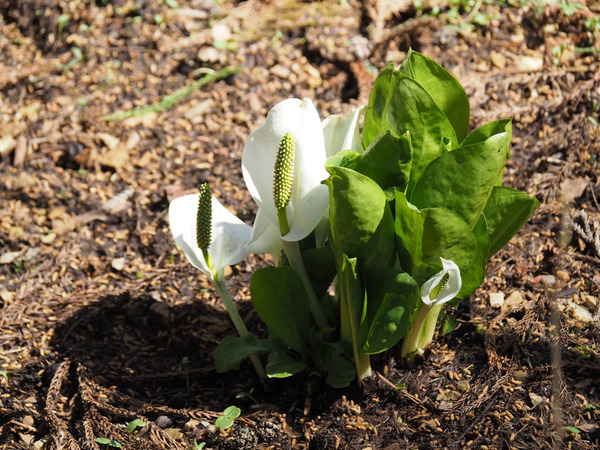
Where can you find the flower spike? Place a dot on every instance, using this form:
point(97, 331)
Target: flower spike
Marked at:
point(204, 218)
point(440, 287)
point(284, 171)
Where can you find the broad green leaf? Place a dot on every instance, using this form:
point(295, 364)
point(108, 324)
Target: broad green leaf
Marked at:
point(449, 323)
point(131, 426)
point(388, 160)
point(340, 371)
point(110, 442)
point(233, 412)
point(446, 91)
point(360, 218)
point(391, 300)
point(463, 179)
point(425, 236)
point(488, 130)
point(320, 265)
point(345, 158)
point(473, 275)
point(233, 349)
point(280, 300)
point(506, 211)
point(399, 103)
point(282, 365)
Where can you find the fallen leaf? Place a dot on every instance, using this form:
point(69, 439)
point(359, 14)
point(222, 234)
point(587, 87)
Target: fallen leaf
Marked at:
point(119, 202)
point(514, 301)
point(573, 188)
point(7, 144)
point(536, 399)
point(109, 140)
point(498, 60)
point(118, 263)
point(115, 157)
point(23, 255)
point(530, 63)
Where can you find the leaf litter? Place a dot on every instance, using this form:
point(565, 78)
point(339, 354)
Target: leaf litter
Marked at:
point(92, 347)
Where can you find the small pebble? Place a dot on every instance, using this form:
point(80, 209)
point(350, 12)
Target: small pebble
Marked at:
point(496, 299)
point(163, 422)
point(562, 275)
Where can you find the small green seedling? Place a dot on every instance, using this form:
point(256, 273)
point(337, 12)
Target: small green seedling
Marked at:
point(131, 426)
point(572, 430)
point(247, 395)
point(6, 373)
point(199, 445)
point(226, 419)
point(108, 442)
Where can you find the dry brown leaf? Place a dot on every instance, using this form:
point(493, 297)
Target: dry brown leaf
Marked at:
point(115, 157)
point(573, 188)
point(7, 144)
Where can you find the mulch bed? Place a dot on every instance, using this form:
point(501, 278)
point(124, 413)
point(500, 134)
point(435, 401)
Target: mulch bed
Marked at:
point(102, 320)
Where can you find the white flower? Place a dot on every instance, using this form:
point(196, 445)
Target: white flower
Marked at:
point(309, 198)
point(343, 134)
point(445, 285)
point(229, 235)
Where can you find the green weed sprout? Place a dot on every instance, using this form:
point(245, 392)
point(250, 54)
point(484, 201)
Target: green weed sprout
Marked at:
point(226, 419)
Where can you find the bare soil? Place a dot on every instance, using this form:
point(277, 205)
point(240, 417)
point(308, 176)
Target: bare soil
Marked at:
point(102, 320)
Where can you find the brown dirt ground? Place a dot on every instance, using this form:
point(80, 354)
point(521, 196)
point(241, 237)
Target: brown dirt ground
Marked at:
point(98, 309)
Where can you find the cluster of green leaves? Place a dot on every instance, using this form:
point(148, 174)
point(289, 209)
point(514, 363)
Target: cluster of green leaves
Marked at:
point(423, 189)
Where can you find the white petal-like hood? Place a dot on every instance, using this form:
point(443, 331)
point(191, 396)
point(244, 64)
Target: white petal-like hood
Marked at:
point(449, 291)
point(309, 198)
point(343, 134)
point(229, 234)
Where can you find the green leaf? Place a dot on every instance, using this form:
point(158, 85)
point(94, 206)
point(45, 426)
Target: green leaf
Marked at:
point(110, 442)
point(506, 211)
point(232, 349)
point(352, 301)
point(340, 371)
point(344, 158)
point(320, 265)
point(282, 365)
point(488, 130)
point(425, 236)
point(223, 422)
point(462, 180)
point(573, 430)
point(391, 300)
point(233, 412)
point(449, 323)
point(280, 300)
point(400, 104)
point(387, 160)
point(473, 275)
point(131, 426)
point(446, 91)
point(361, 222)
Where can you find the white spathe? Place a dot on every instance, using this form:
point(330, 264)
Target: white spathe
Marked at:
point(449, 291)
point(309, 199)
point(343, 134)
point(228, 238)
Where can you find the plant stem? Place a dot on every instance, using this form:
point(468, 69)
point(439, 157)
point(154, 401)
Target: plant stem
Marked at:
point(238, 323)
point(426, 335)
point(410, 345)
point(349, 333)
point(295, 258)
point(284, 226)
